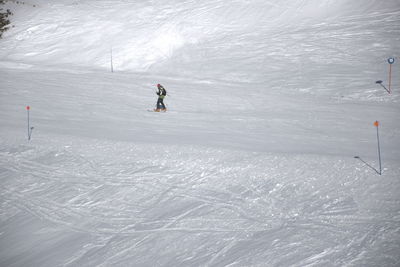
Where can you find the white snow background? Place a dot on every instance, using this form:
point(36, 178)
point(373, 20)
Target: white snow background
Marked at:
point(253, 164)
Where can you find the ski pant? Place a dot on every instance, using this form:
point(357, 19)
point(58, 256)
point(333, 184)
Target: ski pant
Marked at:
point(160, 103)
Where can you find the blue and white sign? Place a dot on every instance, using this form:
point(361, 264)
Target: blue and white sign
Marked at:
point(391, 60)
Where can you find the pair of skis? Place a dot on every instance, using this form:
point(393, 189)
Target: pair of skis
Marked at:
point(157, 110)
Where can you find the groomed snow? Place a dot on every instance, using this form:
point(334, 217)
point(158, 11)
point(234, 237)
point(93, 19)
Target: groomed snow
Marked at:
point(254, 162)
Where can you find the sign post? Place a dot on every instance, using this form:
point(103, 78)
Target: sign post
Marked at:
point(390, 61)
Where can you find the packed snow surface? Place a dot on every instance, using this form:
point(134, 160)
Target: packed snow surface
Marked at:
point(267, 155)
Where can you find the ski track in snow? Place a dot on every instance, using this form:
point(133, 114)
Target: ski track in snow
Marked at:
point(252, 165)
point(234, 204)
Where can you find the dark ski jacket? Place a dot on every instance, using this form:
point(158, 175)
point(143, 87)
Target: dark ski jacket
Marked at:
point(161, 92)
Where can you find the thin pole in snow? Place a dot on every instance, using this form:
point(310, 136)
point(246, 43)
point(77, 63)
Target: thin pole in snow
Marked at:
point(111, 60)
point(376, 123)
point(390, 61)
point(390, 78)
point(28, 108)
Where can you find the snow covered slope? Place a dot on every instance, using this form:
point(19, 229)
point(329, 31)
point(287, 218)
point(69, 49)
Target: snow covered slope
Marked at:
point(236, 40)
point(252, 165)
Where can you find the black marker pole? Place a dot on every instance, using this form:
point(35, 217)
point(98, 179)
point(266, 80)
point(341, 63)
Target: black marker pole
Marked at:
point(29, 128)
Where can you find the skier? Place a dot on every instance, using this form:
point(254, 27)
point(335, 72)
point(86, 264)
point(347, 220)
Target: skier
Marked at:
point(160, 102)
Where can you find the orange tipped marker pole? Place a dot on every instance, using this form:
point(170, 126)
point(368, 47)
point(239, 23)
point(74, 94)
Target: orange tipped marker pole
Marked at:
point(376, 124)
point(28, 108)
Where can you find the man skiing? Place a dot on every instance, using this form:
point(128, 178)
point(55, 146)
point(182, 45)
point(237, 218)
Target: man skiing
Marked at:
point(160, 102)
